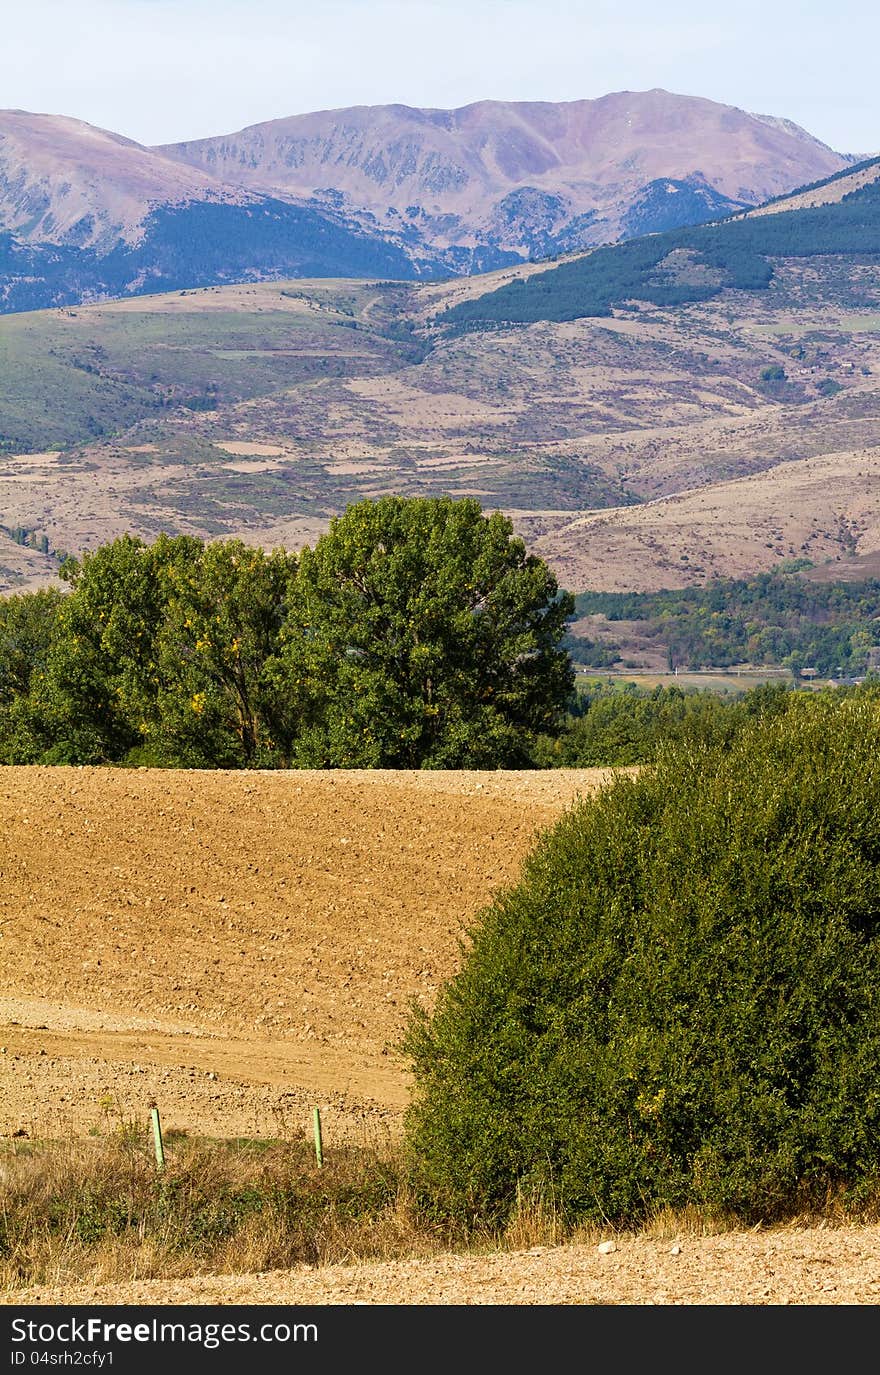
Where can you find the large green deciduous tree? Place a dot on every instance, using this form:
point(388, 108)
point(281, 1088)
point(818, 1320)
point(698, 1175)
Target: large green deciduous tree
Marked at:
point(102, 678)
point(160, 656)
point(422, 634)
point(27, 629)
point(27, 622)
point(218, 706)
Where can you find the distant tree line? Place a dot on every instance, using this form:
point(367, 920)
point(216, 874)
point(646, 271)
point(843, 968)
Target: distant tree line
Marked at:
point(771, 618)
point(617, 723)
point(415, 634)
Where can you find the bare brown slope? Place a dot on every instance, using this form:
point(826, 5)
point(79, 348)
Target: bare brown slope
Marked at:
point(826, 193)
point(825, 508)
point(63, 179)
point(594, 155)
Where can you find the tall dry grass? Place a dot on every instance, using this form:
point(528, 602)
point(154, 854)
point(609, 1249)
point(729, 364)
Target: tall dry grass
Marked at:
point(97, 1211)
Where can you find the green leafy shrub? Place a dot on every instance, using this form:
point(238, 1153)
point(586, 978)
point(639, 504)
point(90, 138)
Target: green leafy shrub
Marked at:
point(828, 387)
point(679, 1003)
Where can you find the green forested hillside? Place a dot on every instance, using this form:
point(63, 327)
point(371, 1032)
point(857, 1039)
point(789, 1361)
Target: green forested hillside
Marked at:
point(729, 253)
point(197, 245)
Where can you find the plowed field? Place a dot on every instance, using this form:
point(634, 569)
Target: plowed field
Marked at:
point(239, 946)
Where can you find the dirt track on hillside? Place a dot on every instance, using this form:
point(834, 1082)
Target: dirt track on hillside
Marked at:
point(241, 947)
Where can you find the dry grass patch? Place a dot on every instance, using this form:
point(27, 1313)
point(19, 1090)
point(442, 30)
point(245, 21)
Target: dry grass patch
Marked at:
point(100, 1212)
point(86, 1213)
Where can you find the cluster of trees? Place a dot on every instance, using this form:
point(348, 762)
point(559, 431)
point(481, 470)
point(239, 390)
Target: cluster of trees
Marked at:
point(27, 537)
point(416, 633)
point(35, 276)
point(737, 249)
point(771, 618)
point(206, 242)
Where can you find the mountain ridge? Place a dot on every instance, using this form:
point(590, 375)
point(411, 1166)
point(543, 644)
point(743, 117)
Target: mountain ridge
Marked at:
point(417, 194)
point(66, 182)
point(447, 173)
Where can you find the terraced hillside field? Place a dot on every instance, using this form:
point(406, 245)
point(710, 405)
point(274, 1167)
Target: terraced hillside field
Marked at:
point(241, 947)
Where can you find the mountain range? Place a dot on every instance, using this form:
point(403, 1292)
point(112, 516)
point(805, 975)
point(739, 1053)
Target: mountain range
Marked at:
point(690, 404)
point(371, 191)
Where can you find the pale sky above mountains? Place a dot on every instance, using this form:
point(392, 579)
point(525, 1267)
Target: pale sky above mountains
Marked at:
point(167, 70)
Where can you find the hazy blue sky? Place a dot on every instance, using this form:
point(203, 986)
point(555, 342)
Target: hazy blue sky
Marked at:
point(163, 70)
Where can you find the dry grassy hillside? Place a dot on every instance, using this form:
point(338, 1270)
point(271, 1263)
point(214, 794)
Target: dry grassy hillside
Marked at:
point(826, 194)
point(320, 399)
point(60, 175)
point(826, 509)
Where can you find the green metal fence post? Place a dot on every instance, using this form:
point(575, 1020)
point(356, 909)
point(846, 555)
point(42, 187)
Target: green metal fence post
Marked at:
point(319, 1148)
point(157, 1139)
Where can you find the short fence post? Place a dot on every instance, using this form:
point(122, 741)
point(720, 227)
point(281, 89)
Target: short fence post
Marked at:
point(157, 1139)
point(319, 1148)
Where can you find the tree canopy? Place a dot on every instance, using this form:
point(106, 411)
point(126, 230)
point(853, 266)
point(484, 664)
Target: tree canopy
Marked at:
point(428, 638)
point(417, 633)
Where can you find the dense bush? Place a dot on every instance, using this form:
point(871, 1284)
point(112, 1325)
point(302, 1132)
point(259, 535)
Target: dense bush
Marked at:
point(679, 1003)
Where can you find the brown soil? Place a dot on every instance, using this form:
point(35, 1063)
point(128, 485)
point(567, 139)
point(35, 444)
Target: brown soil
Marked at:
point(267, 928)
point(242, 947)
point(780, 1266)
